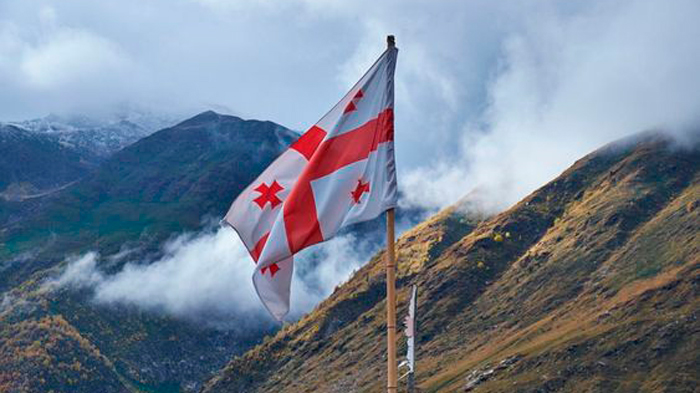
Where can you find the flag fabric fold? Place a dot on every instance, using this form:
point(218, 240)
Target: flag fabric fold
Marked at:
point(340, 172)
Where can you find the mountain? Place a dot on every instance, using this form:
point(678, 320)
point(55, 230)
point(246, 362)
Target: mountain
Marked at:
point(589, 284)
point(98, 136)
point(42, 156)
point(164, 184)
point(31, 164)
point(33, 167)
point(161, 186)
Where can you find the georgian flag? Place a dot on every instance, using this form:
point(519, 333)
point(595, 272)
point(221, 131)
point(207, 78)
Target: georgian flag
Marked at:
point(340, 172)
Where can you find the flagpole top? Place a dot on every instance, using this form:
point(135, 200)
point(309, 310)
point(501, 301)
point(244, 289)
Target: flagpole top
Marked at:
point(390, 41)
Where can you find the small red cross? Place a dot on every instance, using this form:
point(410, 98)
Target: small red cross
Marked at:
point(359, 190)
point(273, 269)
point(268, 194)
point(352, 105)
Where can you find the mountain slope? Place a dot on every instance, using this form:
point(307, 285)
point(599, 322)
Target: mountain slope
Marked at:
point(45, 354)
point(163, 184)
point(33, 166)
point(159, 187)
point(41, 157)
point(31, 163)
point(588, 284)
point(99, 137)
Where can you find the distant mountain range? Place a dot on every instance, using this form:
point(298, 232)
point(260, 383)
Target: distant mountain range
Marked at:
point(42, 155)
point(99, 136)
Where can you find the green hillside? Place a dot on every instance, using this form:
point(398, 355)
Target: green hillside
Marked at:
point(31, 163)
point(168, 183)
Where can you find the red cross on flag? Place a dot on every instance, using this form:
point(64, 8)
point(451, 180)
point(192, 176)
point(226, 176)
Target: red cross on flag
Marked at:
point(340, 172)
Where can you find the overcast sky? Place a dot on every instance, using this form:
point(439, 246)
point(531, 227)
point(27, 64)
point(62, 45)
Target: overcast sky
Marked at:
point(496, 95)
point(502, 95)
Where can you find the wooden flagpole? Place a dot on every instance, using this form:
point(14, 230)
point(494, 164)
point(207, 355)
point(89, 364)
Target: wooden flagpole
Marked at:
point(392, 367)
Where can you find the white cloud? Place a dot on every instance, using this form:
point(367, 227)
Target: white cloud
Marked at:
point(209, 272)
point(323, 267)
point(47, 65)
point(71, 57)
point(81, 272)
point(567, 84)
point(209, 275)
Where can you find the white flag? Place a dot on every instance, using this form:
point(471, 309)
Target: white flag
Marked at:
point(410, 332)
point(340, 172)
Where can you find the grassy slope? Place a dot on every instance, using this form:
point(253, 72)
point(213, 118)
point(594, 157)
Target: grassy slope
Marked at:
point(37, 162)
point(50, 355)
point(163, 184)
point(592, 279)
point(158, 187)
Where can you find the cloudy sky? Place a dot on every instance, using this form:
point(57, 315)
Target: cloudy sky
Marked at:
point(500, 95)
point(495, 95)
